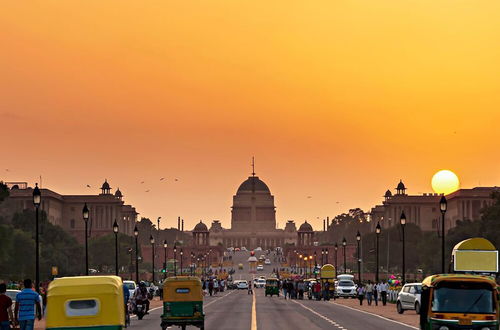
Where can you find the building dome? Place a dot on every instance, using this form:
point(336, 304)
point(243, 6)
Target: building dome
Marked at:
point(200, 227)
point(105, 185)
point(388, 193)
point(118, 193)
point(401, 185)
point(253, 183)
point(305, 227)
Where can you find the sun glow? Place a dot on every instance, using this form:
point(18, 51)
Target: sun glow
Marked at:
point(445, 182)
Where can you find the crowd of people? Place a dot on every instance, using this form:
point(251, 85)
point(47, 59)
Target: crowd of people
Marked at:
point(373, 292)
point(28, 305)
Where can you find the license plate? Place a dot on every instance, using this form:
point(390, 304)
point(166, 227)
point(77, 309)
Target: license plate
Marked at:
point(464, 321)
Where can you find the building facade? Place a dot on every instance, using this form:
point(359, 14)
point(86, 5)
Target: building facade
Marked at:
point(66, 210)
point(423, 210)
point(253, 220)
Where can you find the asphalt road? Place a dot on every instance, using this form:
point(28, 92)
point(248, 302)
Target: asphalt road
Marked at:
point(234, 310)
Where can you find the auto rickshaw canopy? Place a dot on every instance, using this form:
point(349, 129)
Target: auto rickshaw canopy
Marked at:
point(434, 280)
point(89, 302)
point(272, 281)
point(182, 288)
point(327, 271)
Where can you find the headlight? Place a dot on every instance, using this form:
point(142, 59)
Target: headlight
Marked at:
point(443, 327)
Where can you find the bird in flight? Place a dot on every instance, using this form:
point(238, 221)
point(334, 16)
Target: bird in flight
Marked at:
point(142, 182)
point(88, 186)
point(309, 196)
point(147, 190)
point(7, 170)
point(162, 179)
point(176, 179)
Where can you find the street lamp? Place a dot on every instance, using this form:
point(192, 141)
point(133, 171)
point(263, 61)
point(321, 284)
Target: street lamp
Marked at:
point(136, 235)
point(336, 264)
point(85, 214)
point(181, 253)
point(37, 199)
point(402, 221)
point(310, 264)
point(152, 241)
point(175, 259)
point(358, 238)
point(344, 243)
point(165, 245)
point(378, 229)
point(443, 205)
point(115, 230)
point(326, 255)
point(322, 257)
point(305, 265)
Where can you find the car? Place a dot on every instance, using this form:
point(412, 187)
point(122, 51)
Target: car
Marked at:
point(345, 287)
point(267, 262)
point(243, 248)
point(236, 249)
point(258, 249)
point(409, 298)
point(131, 286)
point(241, 284)
point(260, 283)
point(260, 267)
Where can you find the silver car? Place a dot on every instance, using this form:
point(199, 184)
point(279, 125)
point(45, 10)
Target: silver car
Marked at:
point(409, 298)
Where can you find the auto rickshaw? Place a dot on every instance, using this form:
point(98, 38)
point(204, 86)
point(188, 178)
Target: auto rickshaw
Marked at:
point(182, 302)
point(85, 302)
point(452, 301)
point(327, 277)
point(272, 287)
point(240, 266)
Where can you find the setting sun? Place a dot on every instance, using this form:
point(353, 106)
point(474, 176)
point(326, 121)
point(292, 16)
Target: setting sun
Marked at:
point(445, 182)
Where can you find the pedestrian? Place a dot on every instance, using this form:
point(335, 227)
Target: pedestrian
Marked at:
point(216, 286)
point(26, 301)
point(361, 294)
point(369, 292)
point(300, 287)
point(250, 290)
point(285, 288)
point(317, 290)
point(383, 287)
point(375, 293)
point(326, 290)
point(211, 287)
point(5, 308)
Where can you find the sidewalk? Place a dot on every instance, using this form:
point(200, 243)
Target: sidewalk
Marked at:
point(388, 311)
point(156, 302)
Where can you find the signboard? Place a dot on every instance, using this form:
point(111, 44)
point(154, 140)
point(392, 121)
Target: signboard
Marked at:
point(54, 271)
point(477, 261)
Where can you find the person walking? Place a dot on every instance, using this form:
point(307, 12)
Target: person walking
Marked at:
point(216, 286)
point(326, 290)
point(211, 287)
point(383, 288)
point(369, 292)
point(5, 308)
point(26, 302)
point(375, 293)
point(361, 294)
point(250, 290)
point(285, 288)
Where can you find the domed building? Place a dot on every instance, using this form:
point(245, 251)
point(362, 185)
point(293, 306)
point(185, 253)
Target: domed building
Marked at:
point(253, 219)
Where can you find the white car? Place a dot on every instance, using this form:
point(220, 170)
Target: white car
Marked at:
point(241, 284)
point(267, 262)
point(243, 248)
point(259, 283)
point(260, 267)
point(409, 298)
point(131, 286)
point(345, 288)
point(258, 249)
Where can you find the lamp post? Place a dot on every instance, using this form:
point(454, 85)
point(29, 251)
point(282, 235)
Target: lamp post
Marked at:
point(443, 205)
point(402, 221)
point(310, 264)
point(85, 214)
point(344, 243)
point(336, 250)
point(377, 232)
point(37, 199)
point(322, 257)
point(358, 238)
point(305, 265)
point(182, 254)
point(115, 230)
point(152, 241)
point(165, 245)
point(136, 235)
point(300, 262)
point(175, 259)
point(326, 255)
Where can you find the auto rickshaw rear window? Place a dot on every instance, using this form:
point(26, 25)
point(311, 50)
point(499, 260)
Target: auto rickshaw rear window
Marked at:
point(182, 290)
point(86, 307)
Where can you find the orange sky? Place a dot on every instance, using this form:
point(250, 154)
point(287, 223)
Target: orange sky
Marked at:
point(337, 100)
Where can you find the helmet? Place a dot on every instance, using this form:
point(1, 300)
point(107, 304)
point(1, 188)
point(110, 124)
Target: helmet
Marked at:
point(142, 284)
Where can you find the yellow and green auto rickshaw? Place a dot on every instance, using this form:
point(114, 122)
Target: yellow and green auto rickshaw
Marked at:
point(272, 287)
point(182, 302)
point(327, 277)
point(85, 302)
point(459, 301)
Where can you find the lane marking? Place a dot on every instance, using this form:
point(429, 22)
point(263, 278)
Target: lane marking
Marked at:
point(254, 312)
point(320, 315)
point(210, 303)
point(379, 316)
point(153, 309)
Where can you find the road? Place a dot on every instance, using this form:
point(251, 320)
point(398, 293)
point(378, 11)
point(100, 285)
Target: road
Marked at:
point(235, 310)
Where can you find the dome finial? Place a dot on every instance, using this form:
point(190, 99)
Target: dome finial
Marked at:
point(253, 166)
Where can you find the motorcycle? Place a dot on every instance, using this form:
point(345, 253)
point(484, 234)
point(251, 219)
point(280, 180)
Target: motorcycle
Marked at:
point(140, 309)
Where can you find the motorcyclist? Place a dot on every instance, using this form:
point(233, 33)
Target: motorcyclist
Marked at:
point(141, 296)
